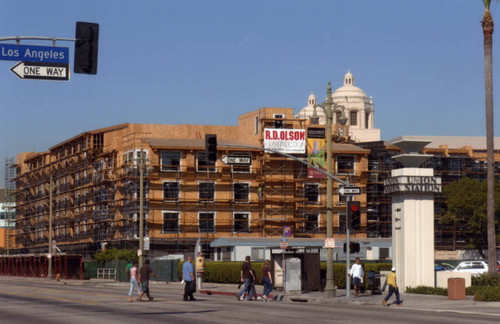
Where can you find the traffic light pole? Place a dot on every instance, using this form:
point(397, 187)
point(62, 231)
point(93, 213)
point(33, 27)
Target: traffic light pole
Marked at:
point(348, 250)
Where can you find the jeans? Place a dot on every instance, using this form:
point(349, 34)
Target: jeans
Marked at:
point(245, 288)
point(268, 287)
point(133, 282)
point(391, 291)
point(252, 291)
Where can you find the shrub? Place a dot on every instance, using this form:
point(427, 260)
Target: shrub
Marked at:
point(426, 290)
point(492, 280)
point(116, 255)
point(485, 293)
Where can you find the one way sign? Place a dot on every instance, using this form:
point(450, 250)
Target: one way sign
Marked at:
point(237, 159)
point(349, 191)
point(42, 71)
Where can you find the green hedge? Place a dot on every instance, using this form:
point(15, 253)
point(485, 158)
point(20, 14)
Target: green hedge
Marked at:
point(426, 290)
point(229, 272)
point(339, 271)
point(485, 293)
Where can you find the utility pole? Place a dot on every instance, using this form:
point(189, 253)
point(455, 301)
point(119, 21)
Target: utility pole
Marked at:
point(49, 257)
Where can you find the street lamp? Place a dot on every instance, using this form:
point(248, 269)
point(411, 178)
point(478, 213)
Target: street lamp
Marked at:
point(142, 164)
point(329, 107)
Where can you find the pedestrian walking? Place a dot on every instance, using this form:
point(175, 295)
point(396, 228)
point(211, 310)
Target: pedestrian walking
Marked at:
point(245, 277)
point(133, 281)
point(128, 267)
point(251, 289)
point(144, 274)
point(189, 279)
point(393, 288)
point(357, 274)
point(267, 281)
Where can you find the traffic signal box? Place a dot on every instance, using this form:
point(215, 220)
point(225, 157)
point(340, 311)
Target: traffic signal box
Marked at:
point(354, 215)
point(353, 247)
point(86, 46)
point(211, 148)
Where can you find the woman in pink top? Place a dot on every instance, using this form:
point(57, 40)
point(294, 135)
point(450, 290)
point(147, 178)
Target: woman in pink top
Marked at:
point(133, 281)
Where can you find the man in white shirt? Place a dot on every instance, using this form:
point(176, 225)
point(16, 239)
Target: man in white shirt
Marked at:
point(357, 274)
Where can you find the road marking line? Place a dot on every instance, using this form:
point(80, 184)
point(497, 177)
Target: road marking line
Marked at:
point(448, 311)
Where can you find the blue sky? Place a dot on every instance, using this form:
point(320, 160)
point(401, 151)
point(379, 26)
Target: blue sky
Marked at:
point(207, 62)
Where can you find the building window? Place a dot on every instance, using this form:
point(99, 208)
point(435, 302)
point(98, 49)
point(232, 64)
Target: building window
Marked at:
point(311, 192)
point(256, 125)
point(258, 254)
point(311, 224)
point(241, 222)
point(202, 164)
point(241, 192)
point(279, 122)
point(345, 164)
point(343, 199)
point(170, 160)
point(206, 222)
point(206, 191)
point(170, 222)
point(171, 190)
point(353, 118)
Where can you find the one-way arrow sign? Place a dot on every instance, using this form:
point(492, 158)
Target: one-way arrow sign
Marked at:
point(42, 71)
point(349, 191)
point(237, 160)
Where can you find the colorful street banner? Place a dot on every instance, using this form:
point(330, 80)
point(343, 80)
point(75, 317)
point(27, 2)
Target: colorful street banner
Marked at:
point(316, 152)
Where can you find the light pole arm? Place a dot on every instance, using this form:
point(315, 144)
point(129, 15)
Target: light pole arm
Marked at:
point(345, 183)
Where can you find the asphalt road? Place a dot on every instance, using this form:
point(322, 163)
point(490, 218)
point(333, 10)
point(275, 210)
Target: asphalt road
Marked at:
point(46, 302)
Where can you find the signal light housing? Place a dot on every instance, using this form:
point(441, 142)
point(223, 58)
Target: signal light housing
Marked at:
point(86, 47)
point(354, 215)
point(211, 148)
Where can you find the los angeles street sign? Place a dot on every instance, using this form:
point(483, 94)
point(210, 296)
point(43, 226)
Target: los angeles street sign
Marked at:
point(42, 71)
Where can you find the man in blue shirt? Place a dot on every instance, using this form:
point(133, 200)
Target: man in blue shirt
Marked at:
point(188, 277)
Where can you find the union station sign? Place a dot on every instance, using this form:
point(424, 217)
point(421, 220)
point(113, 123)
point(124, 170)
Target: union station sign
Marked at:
point(415, 184)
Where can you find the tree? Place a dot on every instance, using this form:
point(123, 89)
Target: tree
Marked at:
point(466, 204)
point(487, 24)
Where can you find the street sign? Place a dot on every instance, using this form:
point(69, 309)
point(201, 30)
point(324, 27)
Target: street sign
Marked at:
point(42, 71)
point(329, 243)
point(34, 53)
point(349, 191)
point(284, 243)
point(237, 159)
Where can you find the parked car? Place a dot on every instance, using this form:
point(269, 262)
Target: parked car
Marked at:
point(439, 266)
point(448, 266)
point(477, 268)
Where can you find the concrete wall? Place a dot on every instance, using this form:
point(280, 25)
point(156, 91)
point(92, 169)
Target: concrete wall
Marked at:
point(443, 276)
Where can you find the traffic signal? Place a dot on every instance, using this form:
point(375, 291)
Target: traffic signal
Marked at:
point(354, 215)
point(211, 148)
point(86, 45)
point(353, 247)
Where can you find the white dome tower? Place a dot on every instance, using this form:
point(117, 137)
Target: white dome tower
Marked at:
point(358, 109)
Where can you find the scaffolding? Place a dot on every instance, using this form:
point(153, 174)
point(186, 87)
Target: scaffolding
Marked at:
point(10, 199)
